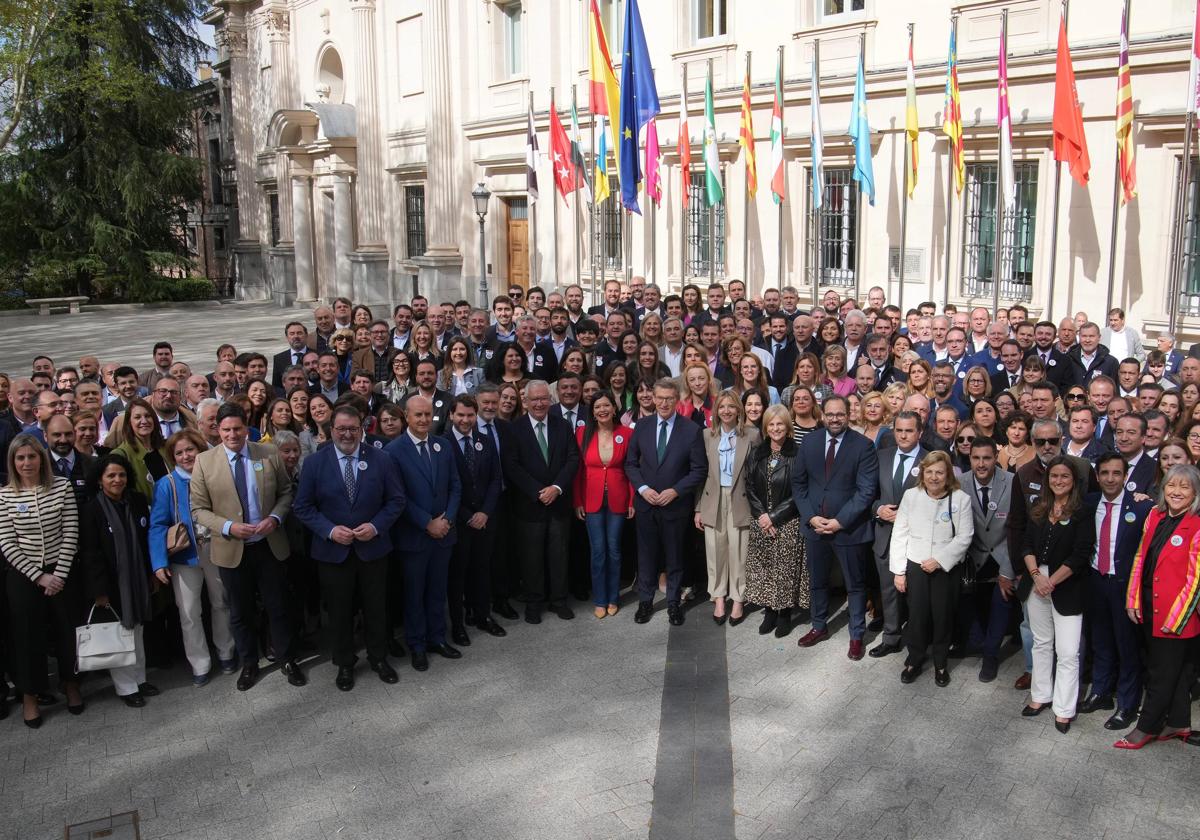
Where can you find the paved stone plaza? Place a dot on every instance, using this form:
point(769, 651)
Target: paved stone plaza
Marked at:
point(561, 731)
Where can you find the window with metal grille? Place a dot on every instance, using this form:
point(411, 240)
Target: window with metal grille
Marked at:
point(835, 225)
point(607, 251)
point(274, 218)
point(979, 233)
point(1189, 254)
point(414, 220)
point(700, 244)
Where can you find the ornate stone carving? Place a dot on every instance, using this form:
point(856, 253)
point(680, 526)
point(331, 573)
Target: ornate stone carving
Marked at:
point(279, 23)
point(235, 40)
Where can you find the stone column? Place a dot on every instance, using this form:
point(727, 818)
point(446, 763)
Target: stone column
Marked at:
point(279, 31)
point(242, 116)
point(370, 132)
point(343, 233)
point(302, 232)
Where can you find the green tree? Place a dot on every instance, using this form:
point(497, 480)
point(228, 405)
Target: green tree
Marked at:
point(96, 175)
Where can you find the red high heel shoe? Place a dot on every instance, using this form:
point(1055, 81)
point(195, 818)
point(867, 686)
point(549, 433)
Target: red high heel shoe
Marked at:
point(1133, 745)
point(1181, 734)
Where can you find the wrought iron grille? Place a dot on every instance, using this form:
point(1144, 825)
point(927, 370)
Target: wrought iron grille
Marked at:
point(275, 233)
point(836, 225)
point(700, 229)
point(414, 220)
point(979, 233)
point(608, 253)
point(1189, 256)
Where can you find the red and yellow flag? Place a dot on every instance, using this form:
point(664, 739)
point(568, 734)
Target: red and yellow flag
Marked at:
point(604, 95)
point(746, 137)
point(1126, 165)
point(952, 114)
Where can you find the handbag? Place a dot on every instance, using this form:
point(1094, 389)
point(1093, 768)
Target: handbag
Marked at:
point(103, 645)
point(178, 538)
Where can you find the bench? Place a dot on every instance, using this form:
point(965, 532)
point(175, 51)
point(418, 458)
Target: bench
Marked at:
point(43, 304)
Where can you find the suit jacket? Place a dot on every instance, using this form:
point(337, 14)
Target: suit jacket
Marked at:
point(846, 494)
point(785, 362)
point(316, 387)
point(889, 493)
point(739, 505)
point(1030, 478)
point(280, 362)
point(1141, 478)
point(318, 342)
point(1070, 543)
point(1000, 381)
point(1092, 452)
point(481, 485)
point(596, 481)
point(582, 413)
point(888, 374)
point(364, 358)
point(954, 402)
point(1061, 369)
point(1175, 359)
point(684, 464)
point(322, 503)
point(528, 472)
point(544, 361)
point(77, 475)
point(431, 488)
point(215, 501)
point(441, 408)
point(991, 525)
point(1129, 533)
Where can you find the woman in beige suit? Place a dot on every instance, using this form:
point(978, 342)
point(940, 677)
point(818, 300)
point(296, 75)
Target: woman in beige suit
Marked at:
point(722, 511)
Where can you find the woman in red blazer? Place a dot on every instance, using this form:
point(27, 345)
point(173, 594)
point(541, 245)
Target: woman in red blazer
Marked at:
point(1164, 587)
point(603, 497)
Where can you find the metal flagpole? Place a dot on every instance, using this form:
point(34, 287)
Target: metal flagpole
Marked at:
point(1181, 262)
point(533, 249)
point(904, 205)
point(553, 199)
point(653, 232)
point(1066, 4)
point(1116, 211)
point(746, 207)
point(999, 232)
point(627, 239)
point(712, 208)
point(858, 222)
point(592, 207)
point(685, 186)
point(779, 208)
point(814, 222)
point(950, 189)
point(576, 273)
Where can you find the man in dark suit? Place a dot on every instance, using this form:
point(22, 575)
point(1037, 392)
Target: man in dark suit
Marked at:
point(666, 464)
point(898, 472)
point(541, 362)
point(1116, 661)
point(943, 389)
point(540, 457)
point(612, 300)
point(1130, 438)
point(470, 580)
point(879, 352)
point(1061, 369)
point(492, 430)
point(297, 339)
point(425, 375)
point(1011, 359)
point(570, 405)
point(425, 533)
point(350, 496)
point(783, 350)
point(834, 481)
point(65, 459)
point(328, 383)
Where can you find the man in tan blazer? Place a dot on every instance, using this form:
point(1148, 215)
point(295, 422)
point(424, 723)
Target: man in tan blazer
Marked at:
point(241, 493)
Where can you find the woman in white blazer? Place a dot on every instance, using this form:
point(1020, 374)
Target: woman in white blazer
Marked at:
point(930, 538)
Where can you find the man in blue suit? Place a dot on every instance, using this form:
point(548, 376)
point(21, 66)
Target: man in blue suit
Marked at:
point(834, 481)
point(1116, 661)
point(666, 464)
point(425, 534)
point(350, 496)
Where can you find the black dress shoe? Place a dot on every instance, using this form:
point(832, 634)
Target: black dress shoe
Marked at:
point(533, 615)
point(459, 636)
point(875, 625)
point(504, 609)
point(133, 701)
point(293, 673)
point(490, 627)
point(1121, 719)
point(148, 690)
point(562, 611)
point(1193, 739)
point(77, 709)
point(1031, 711)
point(1063, 726)
point(420, 661)
point(883, 649)
point(345, 678)
point(1096, 702)
point(910, 674)
point(675, 615)
point(942, 677)
point(784, 625)
point(247, 678)
point(644, 611)
point(386, 672)
point(769, 622)
point(445, 651)
point(396, 648)
point(988, 669)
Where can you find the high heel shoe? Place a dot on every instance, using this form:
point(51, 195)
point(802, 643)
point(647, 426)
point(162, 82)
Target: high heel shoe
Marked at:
point(720, 619)
point(1181, 734)
point(1126, 744)
point(1033, 711)
point(735, 620)
point(77, 709)
point(1063, 726)
point(35, 723)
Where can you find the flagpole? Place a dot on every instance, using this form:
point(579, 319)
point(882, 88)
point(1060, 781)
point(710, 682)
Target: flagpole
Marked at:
point(712, 207)
point(815, 216)
point(533, 224)
point(593, 206)
point(746, 206)
point(999, 233)
point(779, 207)
point(627, 238)
point(685, 181)
point(1180, 260)
point(904, 200)
point(858, 222)
point(553, 197)
point(950, 187)
point(1116, 211)
point(1066, 4)
point(577, 273)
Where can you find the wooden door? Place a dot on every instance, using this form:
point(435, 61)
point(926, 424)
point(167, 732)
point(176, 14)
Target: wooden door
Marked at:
point(517, 212)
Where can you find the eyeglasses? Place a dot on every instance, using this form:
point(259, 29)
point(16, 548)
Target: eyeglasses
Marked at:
point(347, 430)
point(341, 338)
point(1194, 436)
point(1054, 441)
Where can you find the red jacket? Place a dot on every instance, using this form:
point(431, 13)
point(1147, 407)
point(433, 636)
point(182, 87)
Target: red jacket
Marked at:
point(687, 408)
point(1176, 586)
point(593, 477)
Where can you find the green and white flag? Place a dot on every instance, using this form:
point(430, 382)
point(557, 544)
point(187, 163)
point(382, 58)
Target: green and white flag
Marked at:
point(713, 194)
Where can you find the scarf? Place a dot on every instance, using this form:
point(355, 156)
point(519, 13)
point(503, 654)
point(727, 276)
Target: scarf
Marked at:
point(133, 583)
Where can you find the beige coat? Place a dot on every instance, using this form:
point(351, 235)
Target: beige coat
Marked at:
point(215, 499)
point(708, 498)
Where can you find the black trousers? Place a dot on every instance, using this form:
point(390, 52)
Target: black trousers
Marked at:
point(542, 547)
point(506, 570)
point(41, 626)
point(470, 581)
point(340, 582)
point(258, 573)
point(660, 544)
point(1170, 671)
point(931, 598)
point(394, 600)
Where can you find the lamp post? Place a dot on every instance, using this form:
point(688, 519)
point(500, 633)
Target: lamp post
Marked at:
point(481, 196)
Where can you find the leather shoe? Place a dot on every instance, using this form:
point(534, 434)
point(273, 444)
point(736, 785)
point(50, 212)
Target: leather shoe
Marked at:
point(345, 678)
point(148, 690)
point(459, 636)
point(396, 648)
point(504, 609)
point(988, 669)
point(910, 674)
point(770, 621)
point(1063, 726)
point(875, 625)
point(247, 678)
point(1121, 719)
point(1193, 739)
point(36, 723)
point(1022, 683)
point(490, 627)
point(385, 671)
point(883, 649)
point(533, 615)
point(942, 677)
point(133, 701)
point(444, 651)
point(293, 673)
point(813, 637)
point(1096, 702)
point(1034, 711)
point(420, 661)
point(856, 650)
point(562, 611)
point(675, 615)
point(644, 611)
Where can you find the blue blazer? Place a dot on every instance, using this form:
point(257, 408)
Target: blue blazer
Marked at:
point(1129, 534)
point(1141, 476)
point(481, 490)
point(321, 502)
point(684, 466)
point(162, 517)
point(848, 493)
point(429, 493)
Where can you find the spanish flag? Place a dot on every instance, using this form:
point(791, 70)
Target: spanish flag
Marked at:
point(604, 93)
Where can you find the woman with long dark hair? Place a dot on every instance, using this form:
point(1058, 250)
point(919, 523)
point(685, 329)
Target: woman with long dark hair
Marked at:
point(140, 442)
point(508, 364)
point(459, 375)
point(395, 389)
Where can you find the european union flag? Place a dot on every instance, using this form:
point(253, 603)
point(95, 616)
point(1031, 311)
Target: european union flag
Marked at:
point(860, 132)
point(639, 102)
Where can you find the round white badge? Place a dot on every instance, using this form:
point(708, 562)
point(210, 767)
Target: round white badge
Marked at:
point(1033, 498)
point(437, 447)
point(478, 446)
point(362, 465)
point(1000, 366)
point(962, 374)
point(945, 517)
point(142, 521)
point(437, 404)
point(22, 508)
point(378, 444)
point(619, 439)
point(579, 424)
point(1177, 541)
point(1131, 517)
point(258, 467)
point(1053, 362)
point(991, 505)
point(914, 472)
point(1130, 486)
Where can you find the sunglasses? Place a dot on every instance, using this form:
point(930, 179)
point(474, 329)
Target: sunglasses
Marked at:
point(965, 439)
point(1054, 441)
point(1076, 396)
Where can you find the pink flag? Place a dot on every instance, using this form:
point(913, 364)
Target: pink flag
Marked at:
point(653, 181)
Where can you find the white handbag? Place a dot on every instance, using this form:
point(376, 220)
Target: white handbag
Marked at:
point(105, 644)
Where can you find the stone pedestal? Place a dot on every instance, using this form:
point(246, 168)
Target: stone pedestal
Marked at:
point(343, 234)
point(282, 275)
point(369, 270)
point(302, 234)
point(440, 276)
point(251, 280)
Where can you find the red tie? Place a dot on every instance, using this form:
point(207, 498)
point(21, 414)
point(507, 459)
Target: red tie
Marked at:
point(1105, 557)
point(829, 457)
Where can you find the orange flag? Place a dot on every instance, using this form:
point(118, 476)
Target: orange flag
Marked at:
point(1070, 143)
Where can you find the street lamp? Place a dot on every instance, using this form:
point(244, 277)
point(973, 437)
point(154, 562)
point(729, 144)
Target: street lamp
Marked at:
point(481, 196)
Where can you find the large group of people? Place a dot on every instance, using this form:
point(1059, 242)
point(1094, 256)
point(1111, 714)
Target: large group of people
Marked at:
point(961, 477)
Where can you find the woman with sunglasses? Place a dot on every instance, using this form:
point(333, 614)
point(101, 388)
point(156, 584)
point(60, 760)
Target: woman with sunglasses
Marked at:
point(342, 345)
point(963, 438)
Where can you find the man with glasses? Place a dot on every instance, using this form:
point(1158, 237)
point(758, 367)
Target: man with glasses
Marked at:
point(943, 389)
point(956, 355)
point(1081, 430)
point(164, 399)
point(376, 358)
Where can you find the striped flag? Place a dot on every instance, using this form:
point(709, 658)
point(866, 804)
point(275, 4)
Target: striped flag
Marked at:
point(910, 119)
point(1126, 164)
point(952, 115)
point(860, 133)
point(713, 191)
point(818, 140)
point(653, 164)
point(604, 95)
point(581, 169)
point(531, 158)
point(777, 179)
point(601, 176)
point(746, 138)
point(1007, 176)
point(685, 146)
point(1193, 100)
point(1070, 142)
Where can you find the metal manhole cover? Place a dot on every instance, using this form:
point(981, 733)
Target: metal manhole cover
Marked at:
point(117, 827)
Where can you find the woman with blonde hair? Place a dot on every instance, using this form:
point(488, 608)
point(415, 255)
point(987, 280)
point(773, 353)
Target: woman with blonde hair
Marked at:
point(835, 374)
point(652, 329)
point(920, 378)
point(698, 394)
point(876, 418)
point(894, 396)
point(807, 374)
